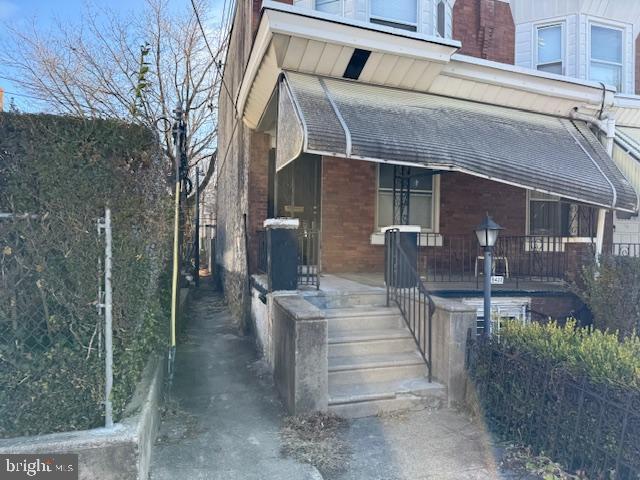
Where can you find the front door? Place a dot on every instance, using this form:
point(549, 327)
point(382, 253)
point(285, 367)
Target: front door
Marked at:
point(298, 191)
point(298, 196)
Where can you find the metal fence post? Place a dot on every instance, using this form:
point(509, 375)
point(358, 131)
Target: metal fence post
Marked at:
point(105, 224)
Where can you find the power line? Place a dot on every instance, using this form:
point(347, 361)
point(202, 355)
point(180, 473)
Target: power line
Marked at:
point(15, 94)
point(219, 72)
point(213, 56)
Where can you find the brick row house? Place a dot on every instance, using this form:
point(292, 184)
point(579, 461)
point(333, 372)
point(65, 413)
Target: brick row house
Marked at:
point(352, 116)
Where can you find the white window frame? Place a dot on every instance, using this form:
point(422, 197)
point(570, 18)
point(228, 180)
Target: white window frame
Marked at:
point(623, 65)
point(315, 7)
point(416, 25)
point(435, 203)
point(562, 23)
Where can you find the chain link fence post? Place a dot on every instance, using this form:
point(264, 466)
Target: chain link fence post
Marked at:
point(104, 224)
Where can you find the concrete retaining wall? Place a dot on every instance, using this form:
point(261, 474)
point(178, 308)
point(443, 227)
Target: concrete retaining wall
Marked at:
point(451, 323)
point(120, 453)
point(300, 349)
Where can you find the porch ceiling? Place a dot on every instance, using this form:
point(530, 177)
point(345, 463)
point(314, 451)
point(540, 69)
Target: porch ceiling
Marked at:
point(533, 151)
point(297, 39)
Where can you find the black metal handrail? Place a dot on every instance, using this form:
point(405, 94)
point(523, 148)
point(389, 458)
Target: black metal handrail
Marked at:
point(309, 257)
point(405, 288)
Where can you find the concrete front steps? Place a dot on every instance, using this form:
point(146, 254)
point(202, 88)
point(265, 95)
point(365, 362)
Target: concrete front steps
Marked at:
point(374, 364)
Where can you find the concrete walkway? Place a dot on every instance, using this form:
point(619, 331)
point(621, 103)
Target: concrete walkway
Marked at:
point(223, 419)
point(420, 445)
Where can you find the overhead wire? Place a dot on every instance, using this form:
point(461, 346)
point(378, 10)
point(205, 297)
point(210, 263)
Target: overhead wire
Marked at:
point(224, 38)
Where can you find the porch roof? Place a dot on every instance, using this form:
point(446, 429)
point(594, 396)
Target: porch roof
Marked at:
point(352, 120)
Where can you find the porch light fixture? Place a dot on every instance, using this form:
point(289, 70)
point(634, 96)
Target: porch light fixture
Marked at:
point(487, 233)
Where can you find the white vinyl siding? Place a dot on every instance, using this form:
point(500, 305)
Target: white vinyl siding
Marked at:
point(576, 38)
point(524, 45)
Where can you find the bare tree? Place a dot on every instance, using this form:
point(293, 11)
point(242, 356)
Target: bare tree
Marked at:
point(132, 68)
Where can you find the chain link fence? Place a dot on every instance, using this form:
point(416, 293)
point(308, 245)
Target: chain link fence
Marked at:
point(64, 172)
point(51, 332)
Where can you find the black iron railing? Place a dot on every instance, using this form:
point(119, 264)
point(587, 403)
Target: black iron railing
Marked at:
point(624, 250)
point(308, 257)
point(261, 240)
point(587, 427)
point(406, 289)
point(459, 258)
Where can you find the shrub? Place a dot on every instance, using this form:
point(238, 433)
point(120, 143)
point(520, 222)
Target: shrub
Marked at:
point(598, 355)
point(570, 393)
point(612, 293)
point(65, 171)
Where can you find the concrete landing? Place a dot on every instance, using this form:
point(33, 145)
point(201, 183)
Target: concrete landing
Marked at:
point(420, 445)
point(223, 417)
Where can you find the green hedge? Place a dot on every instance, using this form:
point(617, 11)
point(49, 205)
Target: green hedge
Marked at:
point(599, 356)
point(569, 393)
point(65, 171)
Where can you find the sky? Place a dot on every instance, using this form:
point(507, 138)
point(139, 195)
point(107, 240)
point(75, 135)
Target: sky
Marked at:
point(46, 12)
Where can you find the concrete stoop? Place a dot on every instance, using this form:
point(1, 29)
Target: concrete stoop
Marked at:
point(374, 364)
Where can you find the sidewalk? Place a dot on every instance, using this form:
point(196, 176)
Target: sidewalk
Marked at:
point(223, 417)
point(223, 420)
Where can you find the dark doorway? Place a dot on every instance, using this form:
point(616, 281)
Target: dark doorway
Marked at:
point(298, 191)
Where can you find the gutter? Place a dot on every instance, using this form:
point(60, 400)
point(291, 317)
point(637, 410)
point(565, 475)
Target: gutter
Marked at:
point(605, 124)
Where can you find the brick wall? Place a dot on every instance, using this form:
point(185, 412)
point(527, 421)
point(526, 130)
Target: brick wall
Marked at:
point(465, 200)
point(557, 307)
point(239, 190)
point(349, 202)
point(257, 8)
point(258, 191)
point(348, 216)
point(485, 28)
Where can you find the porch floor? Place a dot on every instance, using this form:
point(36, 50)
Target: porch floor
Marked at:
point(369, 282)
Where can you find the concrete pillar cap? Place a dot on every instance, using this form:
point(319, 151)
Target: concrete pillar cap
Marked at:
point(283, 223)
point(404, 228)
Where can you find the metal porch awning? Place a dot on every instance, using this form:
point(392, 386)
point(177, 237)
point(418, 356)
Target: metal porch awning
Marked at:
point(357, 121)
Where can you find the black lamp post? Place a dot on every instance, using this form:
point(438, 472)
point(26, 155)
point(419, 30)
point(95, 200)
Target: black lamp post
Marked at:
point(487, 233)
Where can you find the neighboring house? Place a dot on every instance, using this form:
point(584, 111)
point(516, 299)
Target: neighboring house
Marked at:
point(356, 115)
point(596, 41)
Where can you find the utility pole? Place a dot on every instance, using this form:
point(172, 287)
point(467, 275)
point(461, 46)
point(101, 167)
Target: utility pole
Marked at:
point(178, 131)
point(196, 241)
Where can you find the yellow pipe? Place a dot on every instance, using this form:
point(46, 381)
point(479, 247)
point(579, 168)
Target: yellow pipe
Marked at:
point(174, 280)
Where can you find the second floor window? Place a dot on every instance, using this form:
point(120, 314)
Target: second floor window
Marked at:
point(441, 20)
point(606, 56)
point(549, 49)
point(329, 6)
point(399, 14)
